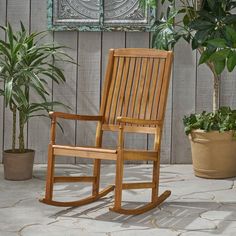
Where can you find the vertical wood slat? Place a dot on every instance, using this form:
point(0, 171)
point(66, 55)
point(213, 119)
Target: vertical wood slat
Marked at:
point(67, 92)
point(3, 15)
point(140, 88)
point(111, 90)
point(17, 11)
point(137, 40)
point(106, 86)
point(116, 90)
point(88, 86)
point(158, 91)
point(153, 88)
point(38, 127)
point(123, 88)
point(166, 142)
point(128, 86)
point(135, 87)
point(184, 87)
point(110, 40)
point(146, 97)
point(204, 88)
point(228, 88)
point(165, 89)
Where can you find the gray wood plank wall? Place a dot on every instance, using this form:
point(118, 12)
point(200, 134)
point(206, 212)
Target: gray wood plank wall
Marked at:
point(190, 89)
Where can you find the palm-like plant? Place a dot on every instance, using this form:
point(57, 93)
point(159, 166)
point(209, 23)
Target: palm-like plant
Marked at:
point(208, 25)
point(27, 67)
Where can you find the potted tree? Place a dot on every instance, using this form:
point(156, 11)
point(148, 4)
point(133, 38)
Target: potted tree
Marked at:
point(209, 26)
point(25, 68)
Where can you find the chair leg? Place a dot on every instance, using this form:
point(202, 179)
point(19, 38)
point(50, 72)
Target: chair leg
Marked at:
point(155, 179)
point(96, 174)
point(118, 181)
point(50, 174)
point(155, 201)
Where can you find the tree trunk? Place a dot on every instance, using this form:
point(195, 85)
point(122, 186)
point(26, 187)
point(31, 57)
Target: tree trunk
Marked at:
point(13, 147)
point(21, 135)
point(198, 4)
point(216, 93)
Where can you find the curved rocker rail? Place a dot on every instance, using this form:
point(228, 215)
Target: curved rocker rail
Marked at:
point(81, 202)
point(144, 208)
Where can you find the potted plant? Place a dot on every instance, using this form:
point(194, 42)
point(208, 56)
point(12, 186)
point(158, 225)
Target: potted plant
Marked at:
point(25, 68)
point(209, 26)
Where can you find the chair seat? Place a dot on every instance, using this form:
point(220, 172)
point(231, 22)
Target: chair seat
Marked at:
point(86, 152)
point(90, 149)
point(103, 153)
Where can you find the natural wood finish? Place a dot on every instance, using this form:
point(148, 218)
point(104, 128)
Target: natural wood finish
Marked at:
point(130, 129)
point(140, 155)
point(159, 88)
point(131, 107)
point(59, 179)
point(97, 162)
point(137, 185)
point(144, 208)
point(60, 151)
point(119, 169)
point(128, 86)
point(74, 116)
point(81, 202)
point(50, 173)
point(110, 90)
point(134, 99)
point(145, 52)
point(129, 120)
point(89, 149)
point(140, 88)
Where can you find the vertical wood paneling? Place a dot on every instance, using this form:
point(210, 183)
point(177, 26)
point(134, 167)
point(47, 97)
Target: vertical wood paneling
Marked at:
point(190, 90)
point(2, 37)
point(17, 11)
point(38, 127)
point(184, 83)
point(137, 40)
point(88, 86)
point(228, 88)
point(204, 89)
point(110, 40)
point(66, 93)
point(166, 135)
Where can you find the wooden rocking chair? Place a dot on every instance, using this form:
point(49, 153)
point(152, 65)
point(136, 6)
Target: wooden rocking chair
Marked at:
point(134, 100)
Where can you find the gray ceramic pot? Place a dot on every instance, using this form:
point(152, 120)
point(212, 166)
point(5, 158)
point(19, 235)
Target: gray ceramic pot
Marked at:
point(18, 166)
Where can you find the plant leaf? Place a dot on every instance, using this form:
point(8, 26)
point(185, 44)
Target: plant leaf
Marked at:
point(231, 62)
point(218, 42)
point(219, 66)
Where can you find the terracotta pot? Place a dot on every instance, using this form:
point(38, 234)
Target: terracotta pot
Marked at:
point(213, 154)
point(18, 166)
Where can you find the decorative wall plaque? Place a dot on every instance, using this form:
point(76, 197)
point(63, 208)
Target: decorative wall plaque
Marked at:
point(99, 15)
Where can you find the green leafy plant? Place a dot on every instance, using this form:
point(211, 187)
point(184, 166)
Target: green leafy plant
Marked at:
point(209, 26)
point(222, 120)
point(26, 67)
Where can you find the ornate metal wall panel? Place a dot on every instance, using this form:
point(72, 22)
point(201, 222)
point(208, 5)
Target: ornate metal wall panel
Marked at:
point(97, 15)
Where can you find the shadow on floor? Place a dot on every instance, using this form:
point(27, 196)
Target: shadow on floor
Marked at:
point(196, 216)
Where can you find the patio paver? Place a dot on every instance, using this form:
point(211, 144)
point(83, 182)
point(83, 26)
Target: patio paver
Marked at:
point(197, 207)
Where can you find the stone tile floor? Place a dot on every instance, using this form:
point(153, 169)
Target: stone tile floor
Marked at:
point(197, 207)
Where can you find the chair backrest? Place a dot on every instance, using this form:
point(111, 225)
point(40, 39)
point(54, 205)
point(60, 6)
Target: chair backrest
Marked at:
point(136, 84)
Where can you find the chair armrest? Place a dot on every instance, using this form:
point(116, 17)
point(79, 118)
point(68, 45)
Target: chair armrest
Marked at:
point(54, 115)
point(130, 120)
